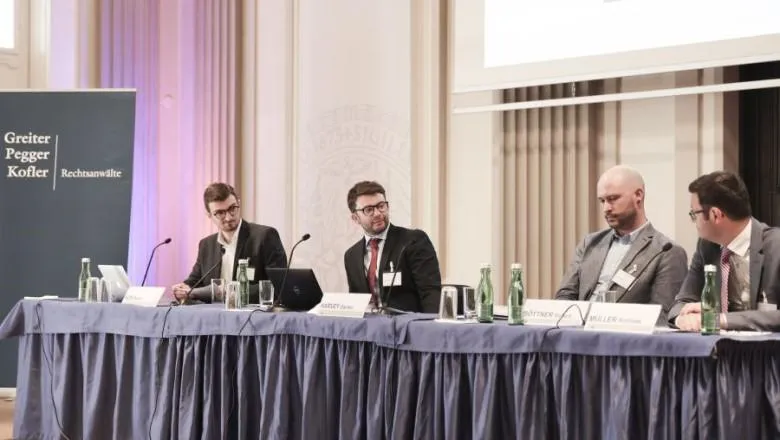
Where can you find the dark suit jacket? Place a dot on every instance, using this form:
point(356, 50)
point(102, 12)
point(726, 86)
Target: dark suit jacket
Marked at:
point(764, 276)
point(658, 274)
point(420, 287)
point(260, 244)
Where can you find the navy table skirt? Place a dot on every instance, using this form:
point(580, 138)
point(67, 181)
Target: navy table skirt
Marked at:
point(113, 371)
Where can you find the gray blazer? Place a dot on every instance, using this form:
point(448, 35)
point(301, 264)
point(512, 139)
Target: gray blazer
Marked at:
point(659, 274)
point(764, 276)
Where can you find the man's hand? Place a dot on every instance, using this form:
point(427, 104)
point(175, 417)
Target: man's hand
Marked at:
point(692, 322)
point(180, 290)
point(688, 323)
point(691, 308)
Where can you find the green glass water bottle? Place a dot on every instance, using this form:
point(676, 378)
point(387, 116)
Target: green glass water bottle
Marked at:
point(243, 284)
point(84, 279)
point(516, 296)
point(710, 303)
point(485, 295)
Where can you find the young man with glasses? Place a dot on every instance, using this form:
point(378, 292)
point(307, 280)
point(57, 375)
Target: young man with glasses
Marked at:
point(239, 239)
point(745, 252)
point(394, 264)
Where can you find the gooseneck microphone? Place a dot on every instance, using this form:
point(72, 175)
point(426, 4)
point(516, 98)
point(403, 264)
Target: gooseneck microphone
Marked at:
point(205, 274)
point(151, 257)
point(277, 299)
point(383, 298)
point(665, 248)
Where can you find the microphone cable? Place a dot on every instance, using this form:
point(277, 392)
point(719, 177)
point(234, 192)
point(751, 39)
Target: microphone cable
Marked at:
point(158, 376)
point(39, 326)
point(558, 323)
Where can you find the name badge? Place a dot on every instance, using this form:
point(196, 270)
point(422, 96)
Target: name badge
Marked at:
point(549, 312)
point(388, 280)
point(343, 305)
point(623, 317)
point(143, 296)
point(250, 273)
point(623, 279)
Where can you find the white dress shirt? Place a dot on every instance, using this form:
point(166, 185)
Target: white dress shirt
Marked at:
point(229, 257)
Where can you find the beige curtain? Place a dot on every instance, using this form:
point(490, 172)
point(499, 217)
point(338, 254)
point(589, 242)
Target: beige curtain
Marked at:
point(549, 177)
point(183, 60)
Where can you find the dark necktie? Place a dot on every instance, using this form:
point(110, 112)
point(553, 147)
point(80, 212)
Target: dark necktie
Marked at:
point(373, 246)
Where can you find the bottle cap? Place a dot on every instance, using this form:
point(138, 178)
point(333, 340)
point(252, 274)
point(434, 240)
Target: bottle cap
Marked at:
point(85, 260)
point(485, 266)
point(517, 266)
point(710, 268)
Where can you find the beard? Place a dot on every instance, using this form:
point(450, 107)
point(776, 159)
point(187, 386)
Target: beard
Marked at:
point(230, 226)
point(377, 225)
point(621, 221)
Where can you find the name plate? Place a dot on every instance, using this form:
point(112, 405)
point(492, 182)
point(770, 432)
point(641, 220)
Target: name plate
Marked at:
point(549, 311)
point(143, 296)
point(344, 305)
point(621, 317)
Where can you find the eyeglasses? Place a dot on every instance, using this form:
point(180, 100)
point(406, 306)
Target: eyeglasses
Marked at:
point(692, 213)
point(221, 213)
point(369, 210)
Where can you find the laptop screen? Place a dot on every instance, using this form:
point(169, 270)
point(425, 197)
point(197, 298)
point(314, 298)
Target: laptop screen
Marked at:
point(301, 289)
point(115, 274)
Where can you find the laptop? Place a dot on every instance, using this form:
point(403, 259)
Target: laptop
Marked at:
point(117, 276)
point(301, 290)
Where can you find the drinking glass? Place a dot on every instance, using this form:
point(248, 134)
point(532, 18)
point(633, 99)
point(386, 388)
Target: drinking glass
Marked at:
point(469, 303)
point(266, 293)
point(604, 296)
point(448, 305)
point(231, 295)
point(97, 290)
point(217, 290)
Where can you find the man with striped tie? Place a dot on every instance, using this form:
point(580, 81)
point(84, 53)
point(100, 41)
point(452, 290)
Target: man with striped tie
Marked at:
point(745, 252)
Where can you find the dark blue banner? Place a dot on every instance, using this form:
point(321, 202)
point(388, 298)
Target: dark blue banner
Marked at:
point(64, 193)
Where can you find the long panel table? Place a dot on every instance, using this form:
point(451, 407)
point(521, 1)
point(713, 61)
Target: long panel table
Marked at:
point(113, 371)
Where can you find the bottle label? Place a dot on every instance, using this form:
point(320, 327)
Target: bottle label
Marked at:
point(485, 313)
point(515, 315)
point(709, 322)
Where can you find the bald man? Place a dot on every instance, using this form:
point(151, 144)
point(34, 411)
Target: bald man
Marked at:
point(631, 258)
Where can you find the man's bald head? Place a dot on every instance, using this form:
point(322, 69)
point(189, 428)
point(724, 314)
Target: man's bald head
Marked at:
point(624, 176)
point(621, 192)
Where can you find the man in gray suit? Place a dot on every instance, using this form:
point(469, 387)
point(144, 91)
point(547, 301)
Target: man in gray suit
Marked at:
point(630, 257)
point(745, 252)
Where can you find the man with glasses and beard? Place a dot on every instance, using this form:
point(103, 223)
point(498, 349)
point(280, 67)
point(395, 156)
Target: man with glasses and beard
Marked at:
point(389, 255)
point(239, 239)
point(628, 258)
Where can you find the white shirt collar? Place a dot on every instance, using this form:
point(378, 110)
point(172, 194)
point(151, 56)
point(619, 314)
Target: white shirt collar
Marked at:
point(740, 245)
point(233, 240)
point(382, 236)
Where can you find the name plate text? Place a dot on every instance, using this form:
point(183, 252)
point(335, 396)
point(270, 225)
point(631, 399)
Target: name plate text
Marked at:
point(625, 318)
point(148, 296)
point(344, 305)
point(550, 311)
